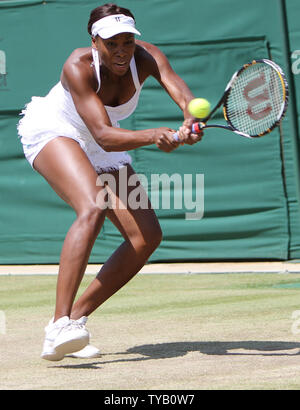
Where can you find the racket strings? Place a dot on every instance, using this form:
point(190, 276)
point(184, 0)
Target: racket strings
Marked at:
point(256, 99)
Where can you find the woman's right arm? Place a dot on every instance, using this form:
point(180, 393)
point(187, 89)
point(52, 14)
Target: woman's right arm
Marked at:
point(93, 113)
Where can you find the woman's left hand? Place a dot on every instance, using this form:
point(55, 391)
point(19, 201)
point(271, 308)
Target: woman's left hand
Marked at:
point(186, 135)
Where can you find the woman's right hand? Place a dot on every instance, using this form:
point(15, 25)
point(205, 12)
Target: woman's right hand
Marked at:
point(164, 139)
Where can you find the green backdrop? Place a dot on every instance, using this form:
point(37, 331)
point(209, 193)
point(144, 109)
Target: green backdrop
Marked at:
point(251, 187)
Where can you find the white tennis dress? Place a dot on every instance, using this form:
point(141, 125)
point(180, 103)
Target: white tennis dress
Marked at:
point(54, 115)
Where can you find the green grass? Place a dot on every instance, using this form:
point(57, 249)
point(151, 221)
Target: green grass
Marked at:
point(223, 331)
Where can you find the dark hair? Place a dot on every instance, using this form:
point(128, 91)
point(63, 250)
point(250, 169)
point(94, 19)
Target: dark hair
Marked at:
point(107, 9)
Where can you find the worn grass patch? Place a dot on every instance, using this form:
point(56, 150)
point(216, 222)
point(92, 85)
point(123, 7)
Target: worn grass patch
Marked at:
point(224, 331)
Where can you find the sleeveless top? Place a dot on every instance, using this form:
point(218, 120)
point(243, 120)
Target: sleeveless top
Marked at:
point(122, 111)
point(55, 115)
point(115, 114)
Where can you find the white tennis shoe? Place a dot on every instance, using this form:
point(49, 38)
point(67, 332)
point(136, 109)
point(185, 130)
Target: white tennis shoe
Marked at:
point(55, 336)
point(63, 337)
point(89, 351)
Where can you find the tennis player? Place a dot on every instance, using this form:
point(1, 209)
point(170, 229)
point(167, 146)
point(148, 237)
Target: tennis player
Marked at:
point(73, 135)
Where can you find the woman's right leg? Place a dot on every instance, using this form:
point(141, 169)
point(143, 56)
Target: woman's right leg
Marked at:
point(67, 169)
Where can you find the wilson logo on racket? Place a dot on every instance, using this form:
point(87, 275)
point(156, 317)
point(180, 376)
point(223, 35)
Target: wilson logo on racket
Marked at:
point(254, 101)
point(257, 99)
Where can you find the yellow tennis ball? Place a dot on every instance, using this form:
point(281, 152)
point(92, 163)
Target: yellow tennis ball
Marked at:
point(199, 107)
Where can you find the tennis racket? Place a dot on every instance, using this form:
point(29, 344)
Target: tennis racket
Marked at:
point(254, 102)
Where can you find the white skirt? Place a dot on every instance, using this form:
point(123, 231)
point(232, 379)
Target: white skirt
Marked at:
point(44, 119)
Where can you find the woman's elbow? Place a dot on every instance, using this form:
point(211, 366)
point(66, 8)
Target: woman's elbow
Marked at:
point(102, 139)
point(106, 147)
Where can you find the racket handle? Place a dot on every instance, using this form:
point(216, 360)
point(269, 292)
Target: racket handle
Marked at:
point(197, 127)
point(176, 136)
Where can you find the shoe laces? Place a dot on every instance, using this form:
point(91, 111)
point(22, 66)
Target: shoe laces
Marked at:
point(73, 324)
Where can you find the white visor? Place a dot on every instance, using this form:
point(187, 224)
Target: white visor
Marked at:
point(112, 25)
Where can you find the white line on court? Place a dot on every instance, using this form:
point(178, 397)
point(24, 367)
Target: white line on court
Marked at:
point(168, 268)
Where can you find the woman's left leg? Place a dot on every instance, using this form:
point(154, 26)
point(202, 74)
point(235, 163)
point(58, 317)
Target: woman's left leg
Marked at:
point(141, 231)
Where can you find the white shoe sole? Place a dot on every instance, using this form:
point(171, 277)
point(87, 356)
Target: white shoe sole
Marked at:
point(52, 356)
point(89, 352)
point(70, 346)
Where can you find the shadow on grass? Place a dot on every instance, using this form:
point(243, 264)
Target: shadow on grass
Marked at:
point(179, 349)
point(169, 350)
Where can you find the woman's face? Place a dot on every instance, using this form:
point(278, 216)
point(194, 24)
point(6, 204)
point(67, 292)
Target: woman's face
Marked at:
point(116, 52)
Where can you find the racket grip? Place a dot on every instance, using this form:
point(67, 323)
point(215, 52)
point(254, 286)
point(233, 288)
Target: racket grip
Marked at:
point(197, 127)
point(176, 137)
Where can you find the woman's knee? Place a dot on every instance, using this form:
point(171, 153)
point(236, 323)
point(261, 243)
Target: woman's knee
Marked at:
point(147, 241)
point(157, 236)
point(91, 214)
